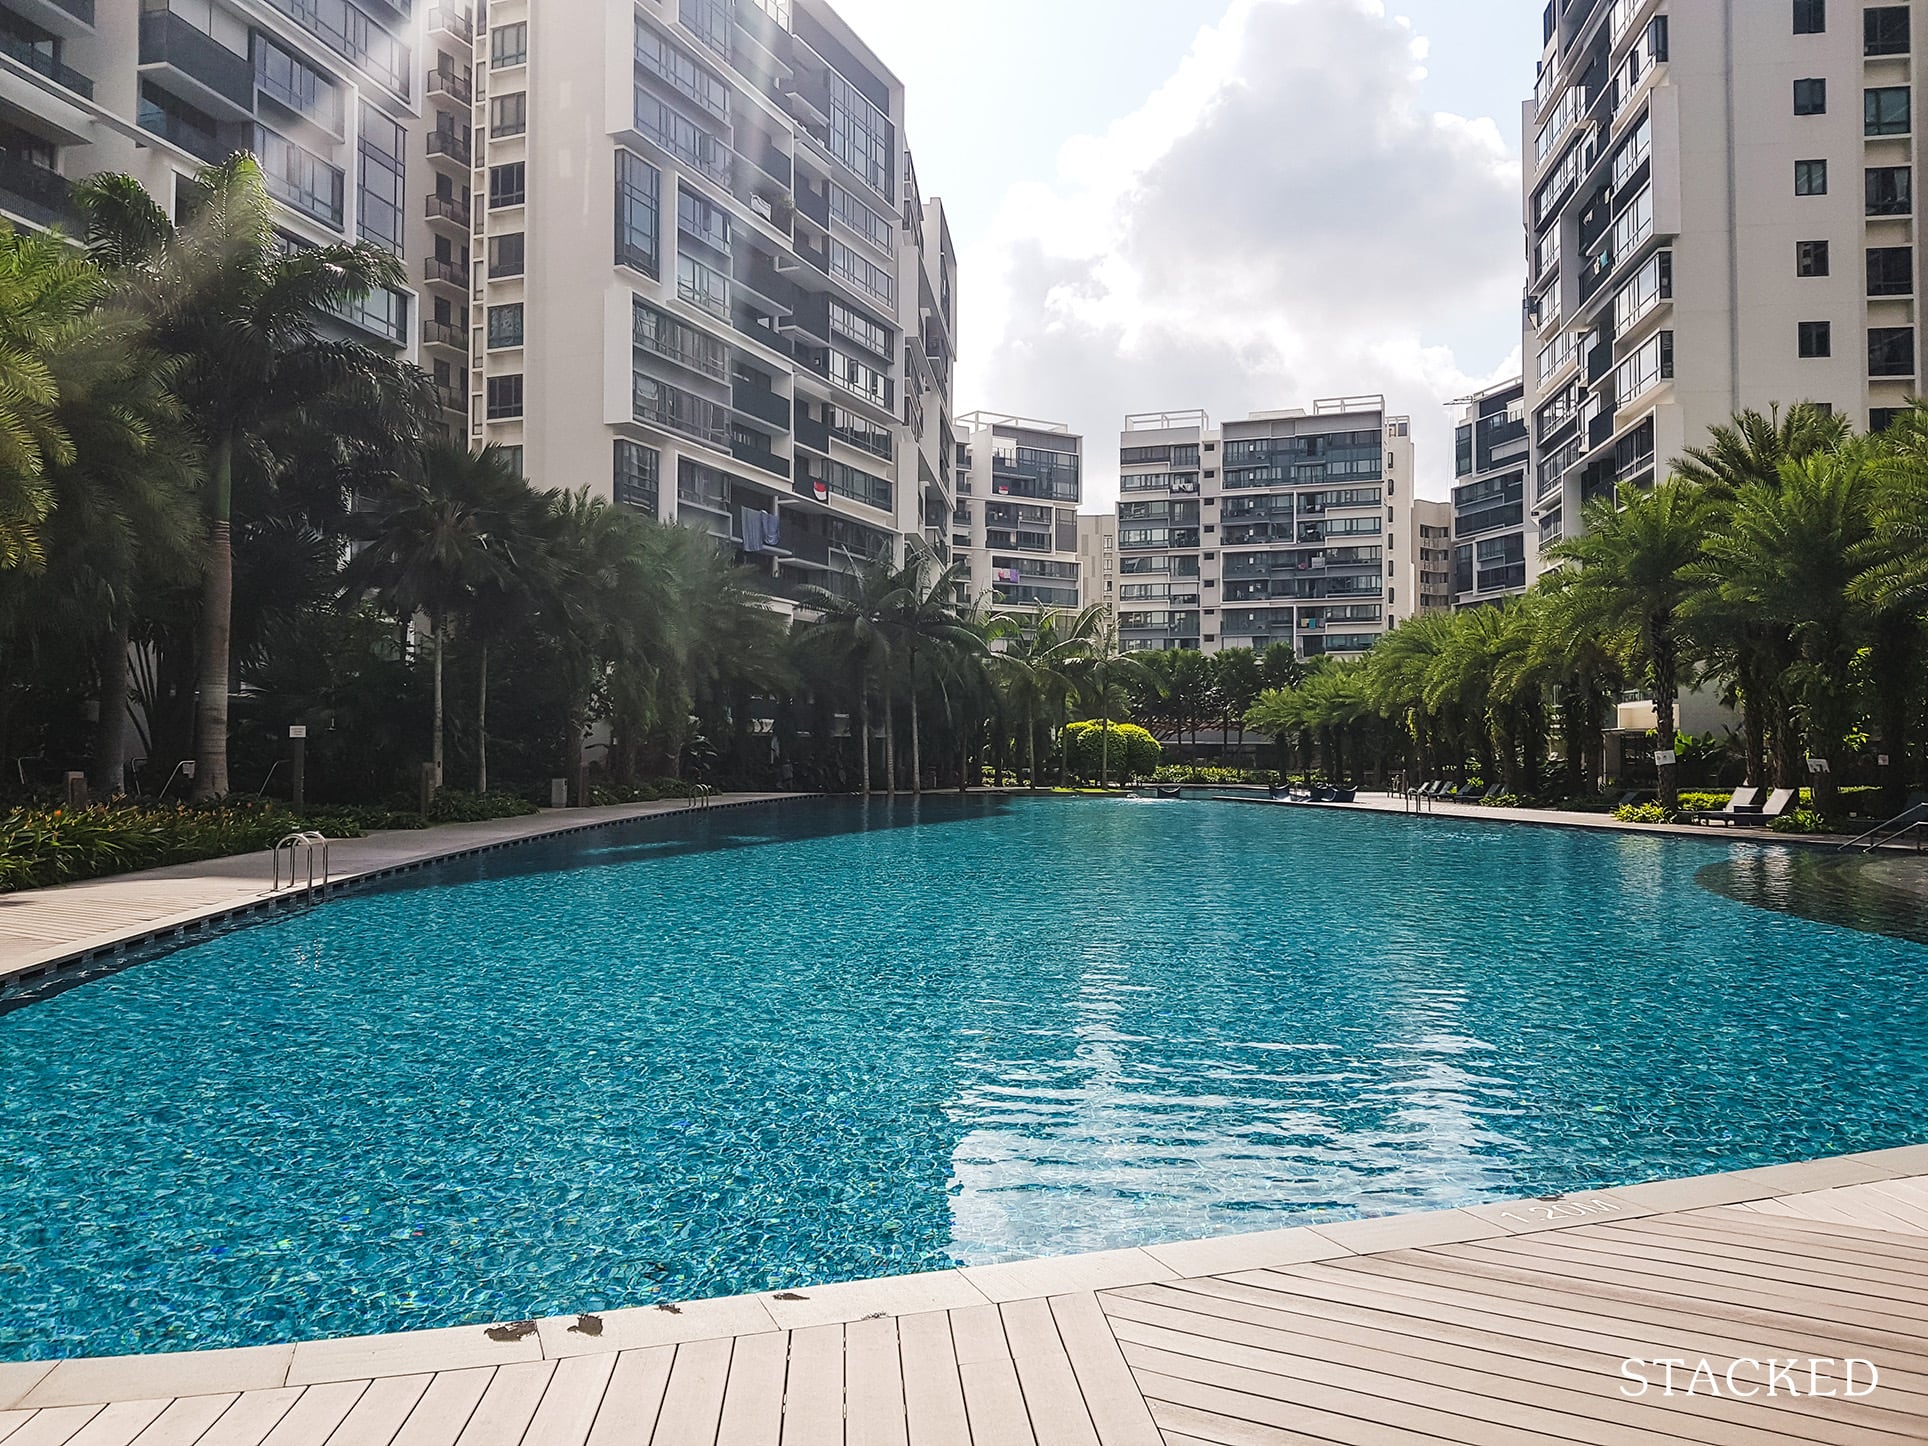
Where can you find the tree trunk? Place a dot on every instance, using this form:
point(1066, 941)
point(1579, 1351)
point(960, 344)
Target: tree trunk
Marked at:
point(435, 746)
point(216, 632)
point(482, 719)
point(110, 738)
point(916, 738)
point(863, 729)
point(1573, 723)
point(1666, 694)
point(1104, 749)
point(1064, 746)
point(1031, 746)
point(890, 744)
point(1747, 683)
point(1894, 666)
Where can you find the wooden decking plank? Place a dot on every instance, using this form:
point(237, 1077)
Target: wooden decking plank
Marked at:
point(1528, 1355)
point(249, 1420)
point(1849, 1207)
point(994, 1402)
point(1901, 1199)
point(1764, 1250)
point(12, 1421)
point(569, 1406)
point(634, 1397)
point(933, 1393)
point(185, 1421)
point(1714, 1254)
point(1885, 1242)
point(1029, 1328)
point(693, 1400)
point(313, 1419)
point(445, 1408)
point(813, 1397)
point(1178, 1423)
point(1117, 1407)
point(873, 1385)
point(977, 1334)
point(118, 1424)
point(379, 1414)
point(1216, 1404)
point(54, 1425)
point(753, 1399)
point(1593, 1392)
point(1053, 1400)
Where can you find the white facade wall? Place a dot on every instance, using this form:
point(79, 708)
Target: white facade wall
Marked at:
point(1014, 524)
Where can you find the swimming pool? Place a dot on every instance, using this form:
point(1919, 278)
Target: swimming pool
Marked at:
point(822, 1040)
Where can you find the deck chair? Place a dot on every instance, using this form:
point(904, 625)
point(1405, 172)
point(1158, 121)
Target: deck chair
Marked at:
point(1744, 804)
point(1778, 803)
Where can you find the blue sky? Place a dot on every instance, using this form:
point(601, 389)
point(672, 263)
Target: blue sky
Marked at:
point(1229, 203)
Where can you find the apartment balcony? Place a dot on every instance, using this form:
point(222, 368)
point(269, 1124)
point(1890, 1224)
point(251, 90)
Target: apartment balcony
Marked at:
point(451, 20)
point(39, 61)
point(805, 547)
point(813, 207)
point(450, 399)
point(444, 334)
point(195, 66)
point(761, 403)
point(450, 84)
point(762, 458)
point(449, 146)
point(68, 18)
point(812, 434)
point(454, 275)
point(450, 212)
point(34, 192)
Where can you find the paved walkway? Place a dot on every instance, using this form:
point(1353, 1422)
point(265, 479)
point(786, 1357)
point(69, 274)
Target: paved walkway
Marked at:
point(1514, 1324)
point(43, 928)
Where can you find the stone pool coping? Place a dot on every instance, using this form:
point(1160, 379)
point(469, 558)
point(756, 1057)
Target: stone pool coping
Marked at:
point(27, 1386)
point(71, 929)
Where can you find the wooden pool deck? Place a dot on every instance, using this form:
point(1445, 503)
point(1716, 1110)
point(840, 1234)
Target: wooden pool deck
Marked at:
point(1499, 1325)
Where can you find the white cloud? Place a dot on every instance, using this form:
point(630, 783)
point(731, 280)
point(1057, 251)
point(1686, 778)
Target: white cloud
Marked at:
point(1281, 220)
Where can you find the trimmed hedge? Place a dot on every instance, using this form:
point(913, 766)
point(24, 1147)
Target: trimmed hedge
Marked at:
point(1199, 773)
point(1134, 753)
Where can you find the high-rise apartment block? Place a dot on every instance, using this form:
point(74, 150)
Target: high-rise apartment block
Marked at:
point(1098, 563)
point(1292, 526)
point(1720, 214)
point(1015, 522)
point(326, 96)
point(670, 250)
point(1493, 543)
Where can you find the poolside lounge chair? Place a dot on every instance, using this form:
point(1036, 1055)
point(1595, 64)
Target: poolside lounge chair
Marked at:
point(1466, 793)
point(1496, 791)
point(1778, 803)
point(1744, 804)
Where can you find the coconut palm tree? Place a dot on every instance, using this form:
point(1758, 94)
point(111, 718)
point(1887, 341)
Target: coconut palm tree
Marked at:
point(922, 619)
point(1634, 579)
point(1040, 655)
point(854, 627)
point(241, 312)
point(1105, 677)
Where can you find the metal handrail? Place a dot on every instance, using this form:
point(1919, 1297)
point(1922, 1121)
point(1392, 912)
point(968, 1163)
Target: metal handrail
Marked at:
point(1913, 817)
point(699, 796)
point(296, 845)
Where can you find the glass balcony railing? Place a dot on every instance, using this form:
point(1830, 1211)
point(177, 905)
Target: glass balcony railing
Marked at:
point(40, 59)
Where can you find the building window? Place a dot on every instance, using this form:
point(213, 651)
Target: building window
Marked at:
point(1810, 258)
point(505, 326)
point(1885, 30)
point(509, 114)
point(1891, 351)
point(639, 206)
point(1891, 191)
point(380, 150)
point(505, 397)
point(512, 458)
point(505, 254)
point(1891, 271)
point(700, 221)
point(1810, 178)
point(1817, 338)
point(702, 286)
point(1886, 111)
point(507, 185)
point(509, 45)
point(1810, 97)
point(638, 471)
point(1810, 17)
point(1882, 418)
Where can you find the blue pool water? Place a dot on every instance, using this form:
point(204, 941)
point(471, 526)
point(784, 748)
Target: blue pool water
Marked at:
point(773, 1046)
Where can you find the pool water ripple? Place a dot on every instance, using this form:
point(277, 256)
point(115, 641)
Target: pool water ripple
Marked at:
point(698, 1056)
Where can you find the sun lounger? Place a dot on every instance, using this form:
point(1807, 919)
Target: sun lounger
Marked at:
point(1778, 803)
point(1743, 804)
point(1496, 791)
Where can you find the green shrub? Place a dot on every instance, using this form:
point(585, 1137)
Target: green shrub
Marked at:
point(1134, 753)
point(1641, 813)
point(1504, 800)
point(42, 846)
point(650, 790)
point(452, 805)
point(1199, 773)
point(1800, 820)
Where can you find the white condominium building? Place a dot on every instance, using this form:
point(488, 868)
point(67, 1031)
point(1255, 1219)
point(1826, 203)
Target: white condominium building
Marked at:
point(1098, 562)
point(1493, 542)
point(329, 97)
point(698, 275)
point(1720, 214)
point(1015, 522)
point(1291, 526)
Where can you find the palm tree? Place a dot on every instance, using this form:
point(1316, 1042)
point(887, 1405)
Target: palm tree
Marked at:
point(46, 293)
point(921, 616)
point(1791, 554)
point(854, 627)
point(1236, 684)
point(1040, 656)
point(1633, 581)
point(450, 529)
point(1751, 449)
point(1893, 587)
point(1395, 682)
point(241, 312)
point(1104, 677)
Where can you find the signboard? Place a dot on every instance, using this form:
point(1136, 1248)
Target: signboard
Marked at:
point(297, 730)
point(1666, 757)
point(1818, 765)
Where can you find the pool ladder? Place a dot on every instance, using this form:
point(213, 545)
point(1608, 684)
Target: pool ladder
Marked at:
point(298, 846)
point(1912, 820)
point(700, 796)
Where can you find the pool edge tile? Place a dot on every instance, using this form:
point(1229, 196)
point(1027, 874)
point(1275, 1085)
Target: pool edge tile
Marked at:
point(1375, 1233)
point(1896, 1163)
point(407, 1353)
point(891, 1295)
point(17, 1378)
point(1251, 1250)
point(1067, 1274)
point(633, 1327)
point(1530, 1215)
point(89, 1380)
